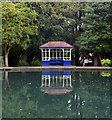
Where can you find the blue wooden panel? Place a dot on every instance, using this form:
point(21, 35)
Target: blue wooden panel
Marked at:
point(56, 62)
point(45, 63)
point(66, 62)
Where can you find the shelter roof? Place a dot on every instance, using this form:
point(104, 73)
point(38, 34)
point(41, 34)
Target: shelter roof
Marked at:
point(56, 44)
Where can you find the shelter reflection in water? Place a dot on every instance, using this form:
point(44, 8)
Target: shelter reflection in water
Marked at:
point(56, 82)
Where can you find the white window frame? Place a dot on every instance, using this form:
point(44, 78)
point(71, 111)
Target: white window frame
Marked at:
point(48, 54)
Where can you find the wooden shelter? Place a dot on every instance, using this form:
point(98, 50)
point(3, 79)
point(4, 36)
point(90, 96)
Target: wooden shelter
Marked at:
point(56, 53)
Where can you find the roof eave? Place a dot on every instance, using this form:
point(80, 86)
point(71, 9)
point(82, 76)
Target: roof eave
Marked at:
point(56, 47)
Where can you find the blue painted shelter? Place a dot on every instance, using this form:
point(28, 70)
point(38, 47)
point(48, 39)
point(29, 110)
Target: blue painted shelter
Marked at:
point(56, 53)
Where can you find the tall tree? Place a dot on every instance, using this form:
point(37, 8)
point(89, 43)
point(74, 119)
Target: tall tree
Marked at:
point(96, 36)
point(18, 25)
point(58, 22)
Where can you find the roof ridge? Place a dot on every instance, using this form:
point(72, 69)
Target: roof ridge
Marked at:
point(56, 41)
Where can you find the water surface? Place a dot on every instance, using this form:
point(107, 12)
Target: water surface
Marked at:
point(56, 94)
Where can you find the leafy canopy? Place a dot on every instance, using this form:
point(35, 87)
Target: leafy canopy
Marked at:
point(96, 36)
point(18, 24)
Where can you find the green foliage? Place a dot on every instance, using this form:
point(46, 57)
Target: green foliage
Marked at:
point(56, 21)
point(22, 63)
point(18, 23)
point(33, 24)
point(36, 62)
point(106, 62)
point(96, 35)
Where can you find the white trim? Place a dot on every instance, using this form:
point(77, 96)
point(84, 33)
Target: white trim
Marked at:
point(56, 53)
point(42, 53)
point(63, 54)
point(70, 54)
point(49, 54)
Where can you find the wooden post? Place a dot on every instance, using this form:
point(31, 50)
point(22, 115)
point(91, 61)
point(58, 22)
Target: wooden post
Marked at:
point(52, 53)
point(49, 54)
point(42, 53)
point(45, 54)
point(60, 53)
point(63, 54)
point(56, 53)
point(70, 54)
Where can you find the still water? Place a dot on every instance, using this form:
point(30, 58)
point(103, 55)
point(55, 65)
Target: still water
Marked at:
point(51, 94)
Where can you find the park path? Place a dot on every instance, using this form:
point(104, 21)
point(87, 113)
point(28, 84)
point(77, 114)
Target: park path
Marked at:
point(54, 68)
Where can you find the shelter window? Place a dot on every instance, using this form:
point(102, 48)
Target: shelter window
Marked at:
point(56, 54)
point(45, 54)
point(67, 55)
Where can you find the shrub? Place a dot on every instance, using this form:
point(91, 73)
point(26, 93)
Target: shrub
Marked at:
point(22, 63)
point(106, 62)
point(36, 62)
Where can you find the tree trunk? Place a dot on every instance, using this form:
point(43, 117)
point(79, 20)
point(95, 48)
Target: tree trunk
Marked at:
point(95, 59)
point(77, 63)
point(24, 55)
point(6, 60)
point(100, 59)
point(6, 55)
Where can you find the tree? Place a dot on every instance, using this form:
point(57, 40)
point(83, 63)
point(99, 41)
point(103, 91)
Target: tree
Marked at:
point(18, 25)
point(96, 35)
point(58, 22)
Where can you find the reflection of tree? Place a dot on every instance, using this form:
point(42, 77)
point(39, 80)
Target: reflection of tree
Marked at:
point(89, 99)
point(22, 99)
point(19, 104)
point(1, 74)
point(94, 89)
point(6, 83)
point(106, 74)
point(62, 106)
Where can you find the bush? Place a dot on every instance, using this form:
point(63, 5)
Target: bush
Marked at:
point(1, 61)
point(36, 62)
point(22, 63)
point(106, 62)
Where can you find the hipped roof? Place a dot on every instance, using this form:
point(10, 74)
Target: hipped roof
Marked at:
point(56, 44)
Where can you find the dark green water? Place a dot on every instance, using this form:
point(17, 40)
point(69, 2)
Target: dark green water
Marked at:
point(24, 96)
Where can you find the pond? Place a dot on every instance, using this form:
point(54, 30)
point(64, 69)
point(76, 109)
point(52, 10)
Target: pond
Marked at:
point(56, 94)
